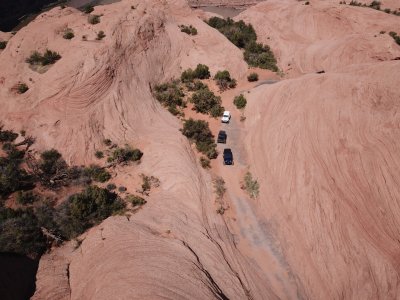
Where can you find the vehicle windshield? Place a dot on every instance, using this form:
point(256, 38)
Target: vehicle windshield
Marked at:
point(226, 114)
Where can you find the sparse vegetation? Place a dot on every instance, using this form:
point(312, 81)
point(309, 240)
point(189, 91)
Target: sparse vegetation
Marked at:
point(251, 185)
point(86, 209)
point(190, 30)
point(224, 80)
point(244, 36)
point(195, 85)
point(206, 102)
point(121, 189)
point(239, 33)
point(135, 200)
point(170, 95)
point(219, 187)
point(27, 197)
point(259, 55)
point(252, 77)
point(21, 88)
point(93, 19)
point(107, 142)
point(199, 132)
point(100, 35)
point(99, 154)
point(68, 34)
point(47, 58)
point(97, 173)
point(395, 37)
point(122, 155)
point(201, 72)
point(3, 45)
point(205, 162)
point(240, 101)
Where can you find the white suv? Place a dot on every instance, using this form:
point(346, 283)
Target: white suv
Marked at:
point(226, 117)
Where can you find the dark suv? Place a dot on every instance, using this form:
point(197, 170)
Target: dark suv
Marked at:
point(228, 156)
point(221, 137)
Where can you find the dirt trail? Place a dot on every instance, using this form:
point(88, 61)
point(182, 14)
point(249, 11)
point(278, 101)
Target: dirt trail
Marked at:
point(254, 239)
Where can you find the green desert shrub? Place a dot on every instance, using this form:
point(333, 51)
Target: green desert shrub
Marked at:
point(68, 34)
point(259, 55)
point(3, 45)
point(206, 102)
point(47, 58)
point(27, 197)
point(224, 80)
point(22, 88)
point(20, 233)
point(239, 33)
point(190, 30)
point(199, 132)
point(107, 142)
point(201, 72)
point(100, 35)
point(87, 209)
point(135, 200)
point(51, 162)
point(94, 19)
point(126, 154)
point(99, 154)
point(251, 185)
point(252, 77)
point(205, 162)
point(170, 95)
point(219, 187)
point(97, 173)
point(7, 135)
point(195, 85)
point(240, 101)
point(395, 37)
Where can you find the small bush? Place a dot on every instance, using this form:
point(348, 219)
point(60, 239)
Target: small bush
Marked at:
point(3, 45)
point(205, 102)
point(135, 200)
point(24, 198)
point(307, 3)
point(86, 209)
point(107, 142)
point(49, 57)
point(121, 189)
point(120, 155)
point(190, 30)
point(100, 35)
point(199, 132)
point(224, 80)
point(251, 185)
point(111, 186)
point(240, 101)
point(395, 37)
point(195, 85)
point(97, 173)
point(205, 162)
point(68, 34)
point(93, 19)
point(239, 33)
point(252, 77)
point(99, 154)
point(170, 95)
point(20, 233)
point(88, 9)
point(22, 88)
point(219, 187)
point(201, 72)
point(84, 38)
point(7, 135)
point(149, 182)
point(259, 55)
